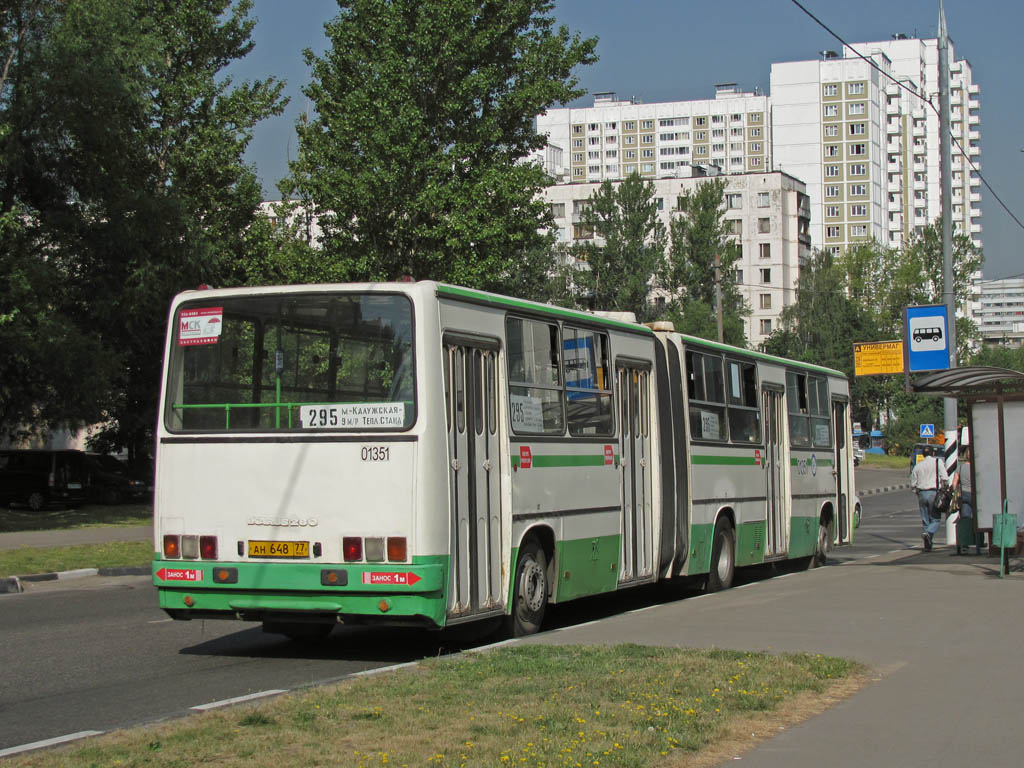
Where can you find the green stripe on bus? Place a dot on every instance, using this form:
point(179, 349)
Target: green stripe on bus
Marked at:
point(564, 460)
point(503, 301)
point(731, 461)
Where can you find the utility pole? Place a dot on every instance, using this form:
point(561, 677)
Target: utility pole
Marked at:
point(948, 287)
point(718, 296)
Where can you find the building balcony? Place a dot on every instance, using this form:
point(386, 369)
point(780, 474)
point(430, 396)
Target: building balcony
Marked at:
point(974, 135)
point(975, 213)
point(892, 108)
point(894, 188)
point(974, 151)
point(973, 119)
point(975, 197)
point(975, 229)
point(973, 104)
point(973, 89)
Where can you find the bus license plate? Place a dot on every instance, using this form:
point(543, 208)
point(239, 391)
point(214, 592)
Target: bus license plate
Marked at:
point(278, 549)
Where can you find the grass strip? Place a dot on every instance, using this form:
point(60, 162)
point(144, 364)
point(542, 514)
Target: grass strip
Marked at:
point(85, 516)
point(531, 705)
point(116, 554)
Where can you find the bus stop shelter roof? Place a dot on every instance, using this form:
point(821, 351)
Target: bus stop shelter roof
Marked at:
point(971, 381)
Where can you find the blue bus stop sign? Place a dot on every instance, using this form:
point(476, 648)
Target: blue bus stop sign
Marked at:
point(927, 338)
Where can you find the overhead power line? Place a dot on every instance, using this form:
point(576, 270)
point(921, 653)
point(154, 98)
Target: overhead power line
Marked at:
point(935, 109)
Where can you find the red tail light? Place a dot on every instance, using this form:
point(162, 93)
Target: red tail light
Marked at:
point(352, 548)
point(172, 546)
point(208, 547)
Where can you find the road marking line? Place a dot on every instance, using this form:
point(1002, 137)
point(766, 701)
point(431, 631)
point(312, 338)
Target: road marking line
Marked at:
point(48, 742)
point(238, 700)
point(159, 621)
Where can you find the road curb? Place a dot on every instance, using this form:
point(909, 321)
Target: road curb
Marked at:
point(10, 584)
point(81, 573)
point(884, 489)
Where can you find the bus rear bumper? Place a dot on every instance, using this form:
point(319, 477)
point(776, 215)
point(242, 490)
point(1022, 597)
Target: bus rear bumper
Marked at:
point(354, 594)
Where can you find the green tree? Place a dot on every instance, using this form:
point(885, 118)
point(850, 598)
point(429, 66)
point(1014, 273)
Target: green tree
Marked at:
point(616, 274)
point(699, 236)
point(125, 156)
point(415, 159)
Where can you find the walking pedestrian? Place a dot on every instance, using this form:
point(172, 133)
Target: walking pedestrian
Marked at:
point(925, 479)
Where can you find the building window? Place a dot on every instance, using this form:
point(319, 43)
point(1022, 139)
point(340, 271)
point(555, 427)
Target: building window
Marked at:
point(755, 133)
point(558, 210)
point(578, 171)
point(700, 121)
point(593, 127)
point(647, 168)
point(700, 135)
point(630, 154)
point(829, 89)
point(647, 138)
point(629, 125)
point(646, 125)
point(735, 131)
point(734, 226)
point(739, 277)
point(832, 211)
point(831, 150)
point(718, 148)
point(755, 162)
point(857, 129)
point(582, 232)
point(764, 226)
point(647, 152)
point(754, 117)
point(765, 250)
point(701, 149)
point(858, 189)
point(858, 209)
point(766, 326)
point(831, 191)
point(831, 130)
point(834, 250)
point(858, 169)
point(858, 230)
point(718, 133)
point(831, 170)
point(859, 108)
point(831, 110)
point(858, 149)
point(755, 146)
point(763, 199)
point(717, 119)
point(832, 232)
point(577, 130)
point(610, 139)
point(577, 143)
point(609, 126)
point(593, 141)
point(766, 301)
point(854, 89)
point(629, 139)
point(734, 201)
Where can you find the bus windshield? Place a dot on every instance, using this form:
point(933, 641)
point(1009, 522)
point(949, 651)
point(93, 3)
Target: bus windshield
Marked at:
point(291, 362)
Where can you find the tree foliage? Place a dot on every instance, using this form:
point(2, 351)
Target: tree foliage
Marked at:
point(424, 117)
point(698, 236)
point(123, 161)
point(616, 273)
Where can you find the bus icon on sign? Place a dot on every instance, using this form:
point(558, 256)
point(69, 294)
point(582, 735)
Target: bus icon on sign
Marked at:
point(931, 334)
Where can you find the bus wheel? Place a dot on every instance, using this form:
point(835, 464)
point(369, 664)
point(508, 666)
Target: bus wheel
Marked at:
point(36, 501)
point(530, 597)
point(826, 532)
point(723, 561)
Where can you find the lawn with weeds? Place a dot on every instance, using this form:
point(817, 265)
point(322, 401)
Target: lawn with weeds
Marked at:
point(885, 461)
point(115, 554)
point(533, 705)
point(14, 519)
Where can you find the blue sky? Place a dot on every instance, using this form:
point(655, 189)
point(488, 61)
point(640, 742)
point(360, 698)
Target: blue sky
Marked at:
point(659, 50)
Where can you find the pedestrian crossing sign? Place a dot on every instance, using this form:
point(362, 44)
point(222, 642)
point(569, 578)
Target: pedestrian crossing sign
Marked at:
point(927, 430)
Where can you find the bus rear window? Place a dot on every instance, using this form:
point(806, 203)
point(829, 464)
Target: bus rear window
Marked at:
point(292, 362)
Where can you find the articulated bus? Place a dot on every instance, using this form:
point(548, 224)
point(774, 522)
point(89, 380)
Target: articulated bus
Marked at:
point(424, 454)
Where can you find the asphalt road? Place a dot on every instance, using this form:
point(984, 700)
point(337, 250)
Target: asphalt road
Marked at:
point(97, 654)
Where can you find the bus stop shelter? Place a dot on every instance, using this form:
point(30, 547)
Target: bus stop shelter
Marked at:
point(995, 399)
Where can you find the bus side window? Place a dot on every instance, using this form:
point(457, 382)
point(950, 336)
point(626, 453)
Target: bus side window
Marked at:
point(744, 406)
point(796, 397)
point(706, 385)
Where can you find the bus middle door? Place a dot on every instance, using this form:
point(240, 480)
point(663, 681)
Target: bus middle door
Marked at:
point(633, 391)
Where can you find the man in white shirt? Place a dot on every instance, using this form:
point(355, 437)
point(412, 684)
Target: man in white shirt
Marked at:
point(925, 479)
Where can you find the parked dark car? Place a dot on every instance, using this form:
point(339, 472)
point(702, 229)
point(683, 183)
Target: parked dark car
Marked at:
point(111, 481)
point(39, 477)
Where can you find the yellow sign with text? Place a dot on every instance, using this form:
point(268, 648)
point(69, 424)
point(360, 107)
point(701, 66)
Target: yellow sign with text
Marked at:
point(876, 358)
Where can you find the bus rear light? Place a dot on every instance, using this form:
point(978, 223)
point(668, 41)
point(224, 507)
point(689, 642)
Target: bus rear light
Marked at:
point(172, 546)
point(208, 547)
point(190, 547)
point(397, 550)
point(374, 546)
point(352, 548)
point(225, 575)
point(334, 578)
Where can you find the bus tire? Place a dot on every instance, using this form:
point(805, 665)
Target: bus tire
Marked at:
point(36, 501)
point(723, 557)
point(530, 595)
point(826, 532)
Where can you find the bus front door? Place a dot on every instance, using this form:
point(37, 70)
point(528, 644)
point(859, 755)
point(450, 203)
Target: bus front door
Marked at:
point(633, 392)
point(471, 386)
point(777, 533)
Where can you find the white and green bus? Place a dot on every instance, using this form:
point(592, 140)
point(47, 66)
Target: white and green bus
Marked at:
point(424, 454)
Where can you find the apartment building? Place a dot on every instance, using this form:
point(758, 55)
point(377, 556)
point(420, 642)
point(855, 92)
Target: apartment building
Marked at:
point(997, 306)
point(768, 214)
point(862, 134)
point(616, 137)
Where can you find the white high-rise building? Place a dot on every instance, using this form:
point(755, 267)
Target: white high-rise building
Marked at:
point(865, 139)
